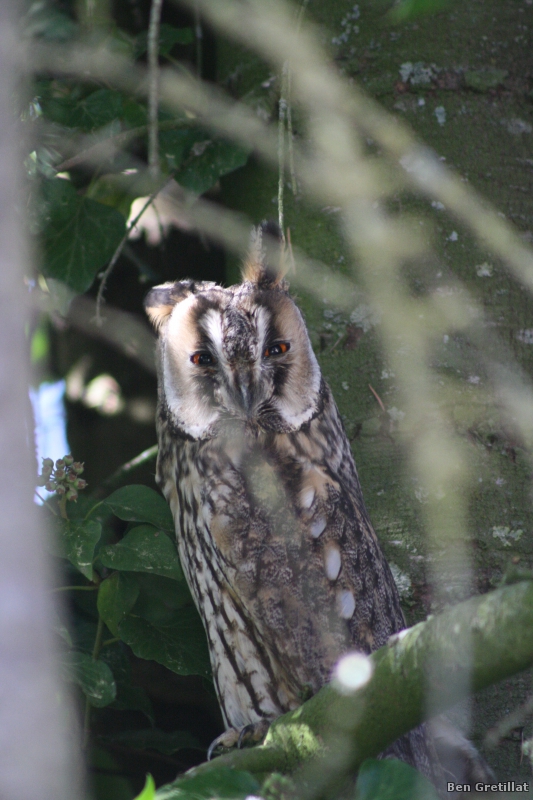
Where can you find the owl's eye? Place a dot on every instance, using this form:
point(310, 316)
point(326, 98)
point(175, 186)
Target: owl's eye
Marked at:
point(202, 359)
point(277, 349)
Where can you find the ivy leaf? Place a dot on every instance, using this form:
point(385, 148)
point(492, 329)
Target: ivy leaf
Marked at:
point(116, 597)
point(141, 504)
point(129, 697)
point(144, 549)
point(79, 237)
point(216, 159)
point(155, 739)
point(391, 779)
point(181, 647)
point(98, 109)
point(223, 783)
point(76, 540)
point(94, 677)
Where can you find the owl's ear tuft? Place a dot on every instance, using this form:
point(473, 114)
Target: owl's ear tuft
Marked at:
point(160, 301)
point(265, 263)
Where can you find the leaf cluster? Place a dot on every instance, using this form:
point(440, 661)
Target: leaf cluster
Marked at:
point(89, 163)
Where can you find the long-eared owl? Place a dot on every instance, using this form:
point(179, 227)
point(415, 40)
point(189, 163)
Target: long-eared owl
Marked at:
point(272, 530)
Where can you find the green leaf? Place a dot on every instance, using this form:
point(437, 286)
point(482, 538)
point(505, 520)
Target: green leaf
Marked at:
point(80, 235)
point(217, 158)
point(116, 597)
point(94, 677)
point(148, 793)
point(224, 783)
point(76, 540)
point(181, 647)
point(88, 113)
point(141, 504)
point(391, 779)
point(129, 697)
point(98, 109)
point(176, 145)
point(161, 599)
point(168, 37)
point(154, 739)
point(144, 549)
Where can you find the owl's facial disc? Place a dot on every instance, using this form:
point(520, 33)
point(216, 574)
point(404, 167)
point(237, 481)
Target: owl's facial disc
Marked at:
point(238, 353)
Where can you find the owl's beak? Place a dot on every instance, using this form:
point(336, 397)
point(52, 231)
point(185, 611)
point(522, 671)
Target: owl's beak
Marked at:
point(244, 392)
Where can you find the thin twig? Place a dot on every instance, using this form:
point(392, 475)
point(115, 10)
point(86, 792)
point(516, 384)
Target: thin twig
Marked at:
point(378, 398)
point(153, 80)
point(118, 251)
point(290, 130)
point(282, 115)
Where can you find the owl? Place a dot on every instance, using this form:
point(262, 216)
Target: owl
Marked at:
point(272, 530)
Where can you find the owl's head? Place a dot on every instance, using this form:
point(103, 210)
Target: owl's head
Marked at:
point(241, 353)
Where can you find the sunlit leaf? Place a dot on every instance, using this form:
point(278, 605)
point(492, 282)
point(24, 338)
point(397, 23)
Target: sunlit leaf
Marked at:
point(223, 783)
point(141, 504)
point(148, 793)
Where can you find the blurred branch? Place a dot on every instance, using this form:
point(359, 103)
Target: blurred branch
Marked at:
point(124, 331)
point(394, 699)
point(38, 754)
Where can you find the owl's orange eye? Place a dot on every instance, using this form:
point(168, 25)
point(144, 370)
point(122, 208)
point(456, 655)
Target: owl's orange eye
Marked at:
point(277, 349)
point(202, 359)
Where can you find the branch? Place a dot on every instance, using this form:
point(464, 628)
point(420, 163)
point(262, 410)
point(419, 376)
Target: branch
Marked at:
point(478, 642)
point(153, 79)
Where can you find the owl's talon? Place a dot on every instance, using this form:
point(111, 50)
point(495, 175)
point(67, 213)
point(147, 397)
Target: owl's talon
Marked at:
point(248, 734)
point(255, 732)
point(227, 740)
point(244, 732)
